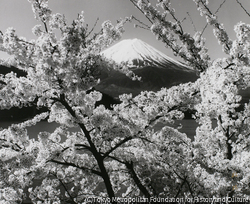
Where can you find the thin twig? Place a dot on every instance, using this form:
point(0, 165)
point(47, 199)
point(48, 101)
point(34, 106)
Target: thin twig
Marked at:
point(243, 8)
point(215, 13)
point(142, 25)
point(192, 21)
point(141, 11)
point(138, 26)
point(220, 6)
point(92, 28)
point(45, 26)
point(65, 188)
point(74, 165)
point(117, 145)
point(132, 17)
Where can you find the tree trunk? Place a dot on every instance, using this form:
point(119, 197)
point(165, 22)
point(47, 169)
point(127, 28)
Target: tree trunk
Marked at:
point(106, 178)
point(137, 181)
point(96, 154)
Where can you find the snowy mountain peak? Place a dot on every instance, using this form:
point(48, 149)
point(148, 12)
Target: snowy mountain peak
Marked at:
point(137, 53)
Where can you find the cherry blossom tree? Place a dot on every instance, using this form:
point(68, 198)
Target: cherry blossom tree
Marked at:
point(217, 163)
point(119, 154)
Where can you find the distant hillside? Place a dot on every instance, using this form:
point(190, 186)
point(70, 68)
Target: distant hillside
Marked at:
point(152, 79)
point(5, 70)
point(14, 114)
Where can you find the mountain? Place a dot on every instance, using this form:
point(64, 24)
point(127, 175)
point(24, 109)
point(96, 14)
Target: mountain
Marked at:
point(137, 53)
point(156, 69)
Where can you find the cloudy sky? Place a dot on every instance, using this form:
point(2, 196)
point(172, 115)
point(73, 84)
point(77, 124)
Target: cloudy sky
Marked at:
point(18, 14)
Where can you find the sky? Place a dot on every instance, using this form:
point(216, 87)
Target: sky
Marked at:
point(18, 14)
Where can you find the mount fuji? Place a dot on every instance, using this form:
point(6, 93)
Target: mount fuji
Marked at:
point(136, 53)
point(156, 69)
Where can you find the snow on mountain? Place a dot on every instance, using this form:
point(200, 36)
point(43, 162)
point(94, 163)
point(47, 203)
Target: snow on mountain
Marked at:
point(137, 53)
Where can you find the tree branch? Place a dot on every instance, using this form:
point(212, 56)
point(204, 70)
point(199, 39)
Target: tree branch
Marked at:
point(228, 66)
point(66, 189)
point(63, 101)
point(83, 145)
point(190, 189)
point(141, 11)
point(243, 8)
point(179, 190)
point(11, 146)
point(74, 165)
point(116, 159)
point(92, 28)
point(144, 24)
point(192, 22)
point(99, 159)
point(173, 16)
point(117, 145)
point(215, 13)
point(45, 26)
point(136, 179)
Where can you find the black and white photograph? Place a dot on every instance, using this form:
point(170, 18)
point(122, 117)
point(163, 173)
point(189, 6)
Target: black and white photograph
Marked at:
point(124, 101)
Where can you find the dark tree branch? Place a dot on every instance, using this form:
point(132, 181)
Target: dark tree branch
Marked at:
point(205, 27)
point(205, 6)
point(220, 120)
point(43, 20)
point(116, 159)
point(215, 13)
point(190, 189)
point(83, 145)
point(136, 179)
point(74, 165)
point(133, 2)
point(14, 146)
point(192, 21)
point(144, 24)
point(45, 26)
point(174, 17)
point(99, 159)
point(220, 6)
point(63, 101)
point(92, 28)
point(179, 190)
point(117, 145)
point(66, 189)
point(228, 66)
point(243, 8)
point(229, 145)
point(139, 26)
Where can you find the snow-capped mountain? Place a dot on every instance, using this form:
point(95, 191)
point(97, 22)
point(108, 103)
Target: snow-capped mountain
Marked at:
point(136, 53)
point(156, 69)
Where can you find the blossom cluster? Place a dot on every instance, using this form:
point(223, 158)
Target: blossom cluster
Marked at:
point(171, 33)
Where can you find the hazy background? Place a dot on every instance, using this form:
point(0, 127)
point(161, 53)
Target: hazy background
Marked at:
point(18, 14)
